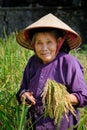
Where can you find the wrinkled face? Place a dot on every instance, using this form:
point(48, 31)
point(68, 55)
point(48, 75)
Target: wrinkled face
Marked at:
point(45, 46)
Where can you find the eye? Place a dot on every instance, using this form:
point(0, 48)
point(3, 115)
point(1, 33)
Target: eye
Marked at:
point(39, 43)
point(49, 42)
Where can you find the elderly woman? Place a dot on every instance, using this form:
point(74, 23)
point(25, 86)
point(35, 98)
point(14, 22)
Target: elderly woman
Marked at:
point(51, 39)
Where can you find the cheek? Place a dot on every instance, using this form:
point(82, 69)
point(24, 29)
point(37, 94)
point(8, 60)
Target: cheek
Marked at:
point(54, 47)
point(37, 48)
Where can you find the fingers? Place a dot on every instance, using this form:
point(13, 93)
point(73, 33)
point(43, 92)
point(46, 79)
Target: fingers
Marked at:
point(28, 98)
point(31, 98)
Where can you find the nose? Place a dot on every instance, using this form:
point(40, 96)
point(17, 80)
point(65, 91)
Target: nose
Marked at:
point(44, 47)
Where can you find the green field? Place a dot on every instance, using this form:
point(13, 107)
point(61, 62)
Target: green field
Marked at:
point(13, 59)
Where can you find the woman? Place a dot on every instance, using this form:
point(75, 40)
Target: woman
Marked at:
point(51, 40)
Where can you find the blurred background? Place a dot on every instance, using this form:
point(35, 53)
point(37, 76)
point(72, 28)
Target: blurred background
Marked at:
point(17, 14)
point(15, 3)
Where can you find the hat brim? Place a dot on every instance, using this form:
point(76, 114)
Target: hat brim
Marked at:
point(49, 21)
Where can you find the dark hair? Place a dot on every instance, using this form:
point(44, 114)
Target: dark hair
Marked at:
point(65, 48)
point(57, 32)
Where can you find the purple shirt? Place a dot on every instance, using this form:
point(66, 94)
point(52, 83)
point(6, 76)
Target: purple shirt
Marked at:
point(64, 69)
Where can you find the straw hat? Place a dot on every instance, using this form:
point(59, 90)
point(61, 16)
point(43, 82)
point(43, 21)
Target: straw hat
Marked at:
point(49, 21)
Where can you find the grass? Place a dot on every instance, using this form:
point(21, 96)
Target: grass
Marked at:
point(12, 62)
point(13, 59)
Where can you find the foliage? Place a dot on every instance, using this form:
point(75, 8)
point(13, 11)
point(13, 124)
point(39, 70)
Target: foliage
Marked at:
point(13, 59)
point(12, 62)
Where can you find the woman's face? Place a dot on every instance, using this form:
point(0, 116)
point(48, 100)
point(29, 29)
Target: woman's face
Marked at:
point(46, 46)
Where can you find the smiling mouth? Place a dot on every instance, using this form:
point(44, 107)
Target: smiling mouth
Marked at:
point(44, 54)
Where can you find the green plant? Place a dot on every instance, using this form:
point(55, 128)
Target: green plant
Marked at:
point(12, 62)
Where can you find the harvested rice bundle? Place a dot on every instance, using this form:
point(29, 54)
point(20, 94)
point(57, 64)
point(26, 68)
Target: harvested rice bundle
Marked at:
point(56, 101)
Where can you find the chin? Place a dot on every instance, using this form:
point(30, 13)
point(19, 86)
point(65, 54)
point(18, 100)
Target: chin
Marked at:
point(47, 61)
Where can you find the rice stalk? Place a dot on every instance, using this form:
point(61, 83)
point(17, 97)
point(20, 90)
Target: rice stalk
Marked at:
point(56, 101)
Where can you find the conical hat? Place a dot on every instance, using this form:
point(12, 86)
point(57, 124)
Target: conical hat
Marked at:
point(49, 21)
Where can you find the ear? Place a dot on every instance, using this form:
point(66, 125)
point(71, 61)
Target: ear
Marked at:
point(60, 42)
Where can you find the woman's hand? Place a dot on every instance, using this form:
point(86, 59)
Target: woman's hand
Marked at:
point(74, 99)
point(27, 98)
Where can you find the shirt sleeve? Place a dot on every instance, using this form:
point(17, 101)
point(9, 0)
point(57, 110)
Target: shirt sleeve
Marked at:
point(76, 82)
point(25, 80)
